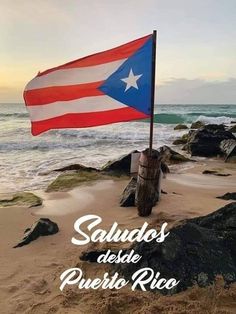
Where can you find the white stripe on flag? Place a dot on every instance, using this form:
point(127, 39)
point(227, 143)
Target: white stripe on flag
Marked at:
point(82, 105)
point(75, 76)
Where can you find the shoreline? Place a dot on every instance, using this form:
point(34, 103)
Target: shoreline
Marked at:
point(30, 274)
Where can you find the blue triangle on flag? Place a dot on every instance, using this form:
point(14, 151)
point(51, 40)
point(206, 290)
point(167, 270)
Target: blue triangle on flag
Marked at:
point(130, 84)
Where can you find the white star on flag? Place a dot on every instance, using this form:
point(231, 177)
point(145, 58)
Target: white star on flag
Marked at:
point(131, 80)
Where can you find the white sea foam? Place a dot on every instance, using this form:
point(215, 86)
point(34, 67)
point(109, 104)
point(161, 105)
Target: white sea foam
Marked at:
point(26, 161)
point(215, 120)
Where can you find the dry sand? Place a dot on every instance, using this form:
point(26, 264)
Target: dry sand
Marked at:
point(29, 276)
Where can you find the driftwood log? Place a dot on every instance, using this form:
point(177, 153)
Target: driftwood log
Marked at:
point(148, 182)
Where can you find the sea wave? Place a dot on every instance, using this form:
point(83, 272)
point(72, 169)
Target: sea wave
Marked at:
point(225, 114)
point(14, 114)
point(174, 118)
point(41, 146)
point(24, 157)
point(216, 120)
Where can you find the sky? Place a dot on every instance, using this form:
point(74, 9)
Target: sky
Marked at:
point(196, 45)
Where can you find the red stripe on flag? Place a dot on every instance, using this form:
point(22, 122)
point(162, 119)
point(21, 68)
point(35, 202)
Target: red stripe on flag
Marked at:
point(121, 52)
point(83, 120)
point(43, 96)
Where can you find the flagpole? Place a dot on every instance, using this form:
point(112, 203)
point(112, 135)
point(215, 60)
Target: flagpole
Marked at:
point(152, 90)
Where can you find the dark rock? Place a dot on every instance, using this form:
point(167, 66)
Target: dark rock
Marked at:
point(223, 174)
point(120, 165)
point(216, 173)
point(91, 256)
point(197, 125)
point(209, 172)
point(169, 156)
point(183, 139)
point(163, 192)
point(180, 127)
point(214, 127)
point(164, 168)
point(228, 196)
point(176, 193)
point(194, 253)
point(73, 167)
point(77, 174)
point(187, 137)
point(27, 199)
point(128, 195)
point(206, 141)
point(232, 129)
point(76, 167)
point(228, 147)
point(223, 219)
point(179, 141)
point(42, 227)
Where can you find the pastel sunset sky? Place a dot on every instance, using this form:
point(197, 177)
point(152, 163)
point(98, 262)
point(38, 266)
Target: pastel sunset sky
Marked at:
point(196, 53)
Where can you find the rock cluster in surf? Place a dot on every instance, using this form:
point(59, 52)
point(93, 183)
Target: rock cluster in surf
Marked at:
point(209, 141)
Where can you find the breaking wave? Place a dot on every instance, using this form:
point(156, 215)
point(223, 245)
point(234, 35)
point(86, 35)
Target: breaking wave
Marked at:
point(14, 115)
point(173, 118)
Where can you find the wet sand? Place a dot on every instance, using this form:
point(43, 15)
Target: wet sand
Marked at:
point(30, 276)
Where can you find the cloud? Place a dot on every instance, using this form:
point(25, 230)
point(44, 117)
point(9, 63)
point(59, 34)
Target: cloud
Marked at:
point(197, 91)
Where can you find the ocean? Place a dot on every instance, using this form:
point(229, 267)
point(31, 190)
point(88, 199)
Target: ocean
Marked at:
point(26, 161)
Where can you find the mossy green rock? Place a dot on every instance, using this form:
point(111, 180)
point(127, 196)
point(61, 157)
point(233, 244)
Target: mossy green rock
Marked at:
point(197, 125)
point(179, 141)
point(180, 127)
point(70, 180)
point(22, 199)
point(182, 140)
point(75, 175)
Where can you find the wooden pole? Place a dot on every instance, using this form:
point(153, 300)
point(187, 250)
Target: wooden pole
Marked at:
point(152, 90)
point(148, 182)
point(149, 172)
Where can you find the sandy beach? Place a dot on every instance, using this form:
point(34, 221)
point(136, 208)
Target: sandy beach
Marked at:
point(30, 275)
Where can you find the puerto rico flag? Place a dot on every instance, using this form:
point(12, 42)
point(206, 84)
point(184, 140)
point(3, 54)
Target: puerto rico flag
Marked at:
point(107, 87)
